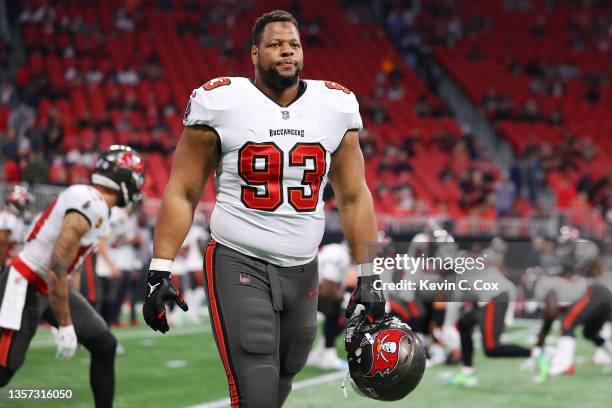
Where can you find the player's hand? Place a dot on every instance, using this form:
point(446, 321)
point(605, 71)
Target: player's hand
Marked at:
point(373, 300)
point(160, 290)
point(529, 365)
point(115, 272)
point(66, 341)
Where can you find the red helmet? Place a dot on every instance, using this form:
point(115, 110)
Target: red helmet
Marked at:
point(386, 358)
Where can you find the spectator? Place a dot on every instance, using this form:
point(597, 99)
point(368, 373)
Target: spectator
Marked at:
point(529, 112)
point(8, 96)
point(395, 91)
point(422, 107)
point(10, 145)
point(127, 76)
point(123, 21)
point(368, 145)
point(505, 193)
point(94, 76)
point(33, 135)
point(53, 133)
point(34, 169)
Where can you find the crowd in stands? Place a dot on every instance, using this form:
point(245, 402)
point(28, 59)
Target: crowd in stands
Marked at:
point(79, 90)
point(540, 70)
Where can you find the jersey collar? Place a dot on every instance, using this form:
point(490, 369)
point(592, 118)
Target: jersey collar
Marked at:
point(301, 91)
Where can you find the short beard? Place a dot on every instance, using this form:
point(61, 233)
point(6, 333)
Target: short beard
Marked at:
point(271, 78)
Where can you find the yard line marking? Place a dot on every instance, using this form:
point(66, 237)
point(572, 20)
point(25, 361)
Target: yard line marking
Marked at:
point(310, 382)
point(139, 335)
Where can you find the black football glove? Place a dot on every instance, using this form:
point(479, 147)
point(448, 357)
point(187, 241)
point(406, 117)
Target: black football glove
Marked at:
point(159, 290)
point(372, 299)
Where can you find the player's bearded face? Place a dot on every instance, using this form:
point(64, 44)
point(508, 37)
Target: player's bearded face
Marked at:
point(278, 58)
point(271, 74)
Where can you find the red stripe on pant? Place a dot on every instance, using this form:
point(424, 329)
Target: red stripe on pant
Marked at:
point(217, 323)
point(5, 344)
point(199, 278)
point(399, 310)
point(414, 309)
point(573, 313)
point(91, 279)
point(490, 325)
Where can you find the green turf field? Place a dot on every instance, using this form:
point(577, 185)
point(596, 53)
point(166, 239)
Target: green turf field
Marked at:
point(181, 369)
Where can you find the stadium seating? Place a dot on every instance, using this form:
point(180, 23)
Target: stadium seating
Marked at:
point(186, 65)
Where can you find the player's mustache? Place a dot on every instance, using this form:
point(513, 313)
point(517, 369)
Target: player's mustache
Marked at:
point(287, 61)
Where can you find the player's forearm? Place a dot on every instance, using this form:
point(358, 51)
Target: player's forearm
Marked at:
point(546, 326)
point(173, 223)
point(65, 250)
point(3, 254)
point(59, 288)
point(59, 291)
point(4, 247)
point(75, 280)
point(358, 222)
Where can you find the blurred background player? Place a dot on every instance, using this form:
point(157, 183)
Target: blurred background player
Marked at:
point(144, 251)
point(193, 288)
point(116, 262)
point(566, 293)
point(440, 333)
point(187, 271)
point(489, 309)
point(37, 284)
point(334, 264)
point(12, 226)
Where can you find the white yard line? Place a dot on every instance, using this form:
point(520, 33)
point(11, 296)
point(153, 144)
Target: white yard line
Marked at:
point(311, 382)
point(138, 334)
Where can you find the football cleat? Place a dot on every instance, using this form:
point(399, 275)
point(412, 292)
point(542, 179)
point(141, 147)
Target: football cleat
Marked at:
point(563, 359)
point(466, 380)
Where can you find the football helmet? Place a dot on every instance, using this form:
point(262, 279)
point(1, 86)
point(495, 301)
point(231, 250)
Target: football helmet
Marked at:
point(386, 358)
point(19, 200)
point(121, 169)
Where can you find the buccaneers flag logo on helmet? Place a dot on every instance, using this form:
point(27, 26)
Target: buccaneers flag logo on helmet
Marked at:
point(130, 161)
point(385, 352)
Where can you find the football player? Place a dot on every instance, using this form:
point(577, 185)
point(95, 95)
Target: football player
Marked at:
point(427, 308)
point(576, 300)
point(190, 261)
point(115, 263)
point(490, 309)
point(36, 285)
point(274, 142)
point(12, 226)
point(334, 264)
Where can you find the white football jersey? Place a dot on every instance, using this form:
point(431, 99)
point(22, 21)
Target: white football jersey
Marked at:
point(274, 163)
point(334, 263)
point(16, 226)
point(194, 259)
point(84, 199)
point(121, 229)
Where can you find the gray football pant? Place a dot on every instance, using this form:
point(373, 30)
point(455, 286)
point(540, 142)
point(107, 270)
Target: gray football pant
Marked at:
point(264, 319)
